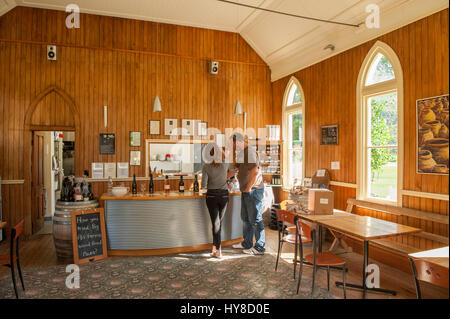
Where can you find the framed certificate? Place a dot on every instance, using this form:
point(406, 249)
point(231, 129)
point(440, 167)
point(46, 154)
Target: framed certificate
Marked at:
point(187, 127)
point(135, 158)
point(202, 128)
point(135, 139)
point(171, 127)
point(154, 127)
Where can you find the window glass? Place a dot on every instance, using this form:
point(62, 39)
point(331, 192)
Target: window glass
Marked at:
point(295, 165)
point(381, 70)
point(382, 175)
point(294, 96)
point(382, 147)
point(383, 117)
point(296, 126)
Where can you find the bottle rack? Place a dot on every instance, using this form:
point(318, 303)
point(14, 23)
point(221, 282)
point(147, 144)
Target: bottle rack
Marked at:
point(271, 159)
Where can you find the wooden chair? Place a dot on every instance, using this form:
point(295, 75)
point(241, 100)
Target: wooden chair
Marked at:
point(429, 272)
point(8, 260)
point(285, 236)
point(317, 259)
point(283, 206)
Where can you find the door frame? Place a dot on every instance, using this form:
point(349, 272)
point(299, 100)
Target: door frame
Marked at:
point(29, 128)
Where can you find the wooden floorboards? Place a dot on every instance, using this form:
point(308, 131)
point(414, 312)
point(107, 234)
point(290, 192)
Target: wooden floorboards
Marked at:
point(39, 251)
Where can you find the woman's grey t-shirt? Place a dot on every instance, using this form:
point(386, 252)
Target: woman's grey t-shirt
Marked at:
point(215, 177)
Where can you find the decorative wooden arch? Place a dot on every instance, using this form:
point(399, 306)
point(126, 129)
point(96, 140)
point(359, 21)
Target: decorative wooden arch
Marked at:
point(28, 135)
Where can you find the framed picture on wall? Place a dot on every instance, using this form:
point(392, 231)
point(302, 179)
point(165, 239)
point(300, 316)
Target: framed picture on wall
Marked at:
point(135, 139)
point(187, 127)
point(202, 128)
point(432, 135)
point(107, 144)
point(135, 158)
point(330, 135)
point(154, 127)
point(171, 127)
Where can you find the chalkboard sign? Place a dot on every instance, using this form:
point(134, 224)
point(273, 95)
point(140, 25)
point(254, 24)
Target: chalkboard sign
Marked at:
point(107, 144)
point(330, 135)
point(88, 235)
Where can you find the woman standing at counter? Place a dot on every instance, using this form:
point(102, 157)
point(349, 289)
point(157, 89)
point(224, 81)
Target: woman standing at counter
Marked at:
point(215, 178)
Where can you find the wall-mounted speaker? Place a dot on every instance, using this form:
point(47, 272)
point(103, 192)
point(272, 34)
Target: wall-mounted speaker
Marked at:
point(51, 52)
point(214, 67)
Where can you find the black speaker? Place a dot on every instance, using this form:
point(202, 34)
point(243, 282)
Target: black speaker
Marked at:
point(51, 52)
point(214, 67)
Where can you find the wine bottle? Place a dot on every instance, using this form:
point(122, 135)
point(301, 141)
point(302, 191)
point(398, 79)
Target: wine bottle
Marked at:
point(181, 185)
point(134, 185)
point(196, 185)
point(85, 189)
point(151, 186)
point(167, 185)
point(78, 195)
point(91, 192)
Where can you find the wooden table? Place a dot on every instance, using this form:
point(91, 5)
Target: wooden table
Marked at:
point(437, 256)
point(363, 228)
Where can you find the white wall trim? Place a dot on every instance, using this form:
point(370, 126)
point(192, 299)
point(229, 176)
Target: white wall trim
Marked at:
point(342, 184)
point(12, 182)
point(443, 197)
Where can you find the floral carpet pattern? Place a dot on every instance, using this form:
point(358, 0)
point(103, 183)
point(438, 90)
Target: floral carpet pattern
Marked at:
point(181, 276)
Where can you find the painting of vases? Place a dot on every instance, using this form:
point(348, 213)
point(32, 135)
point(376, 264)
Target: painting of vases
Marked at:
point(432, 135)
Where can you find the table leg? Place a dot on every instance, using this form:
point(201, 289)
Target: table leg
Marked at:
point(320, 238)
point(338, 241)
point(363, 286)
point(365, 263)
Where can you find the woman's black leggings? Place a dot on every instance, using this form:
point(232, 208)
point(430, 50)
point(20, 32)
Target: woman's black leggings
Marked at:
point(217, 202)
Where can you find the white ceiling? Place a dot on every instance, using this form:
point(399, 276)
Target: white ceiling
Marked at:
point(286, 44)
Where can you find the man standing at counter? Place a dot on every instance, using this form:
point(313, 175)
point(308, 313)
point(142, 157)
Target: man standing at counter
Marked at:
point(252, 188)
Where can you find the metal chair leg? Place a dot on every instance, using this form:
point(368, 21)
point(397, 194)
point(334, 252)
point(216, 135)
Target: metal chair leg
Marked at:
point(416, 282)
point(313, 280)
point(13, 275)
point(278, 254)
point(328, 277)
point(300, 272)
point(344, 270)
point(20, 274)
point(295, 260)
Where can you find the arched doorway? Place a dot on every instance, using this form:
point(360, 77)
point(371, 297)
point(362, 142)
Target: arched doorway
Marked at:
point(51, 110)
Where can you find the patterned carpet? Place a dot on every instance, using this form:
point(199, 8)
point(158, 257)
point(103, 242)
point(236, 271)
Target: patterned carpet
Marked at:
point(189, 275)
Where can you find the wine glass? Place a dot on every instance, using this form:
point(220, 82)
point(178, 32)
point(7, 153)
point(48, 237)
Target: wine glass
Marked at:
point(143, 188)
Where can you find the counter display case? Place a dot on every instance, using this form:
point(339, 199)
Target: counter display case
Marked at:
point(165, 223)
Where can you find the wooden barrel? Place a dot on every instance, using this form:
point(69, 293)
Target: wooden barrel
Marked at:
point(62, 226)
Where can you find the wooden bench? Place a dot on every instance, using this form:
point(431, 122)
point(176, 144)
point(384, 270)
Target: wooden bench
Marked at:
point(391, 244)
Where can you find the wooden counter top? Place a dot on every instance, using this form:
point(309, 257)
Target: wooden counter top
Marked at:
point(158, 196)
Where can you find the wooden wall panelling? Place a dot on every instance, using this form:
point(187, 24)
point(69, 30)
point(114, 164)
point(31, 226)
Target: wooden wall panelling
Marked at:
point(330, 98)
point(123, 64)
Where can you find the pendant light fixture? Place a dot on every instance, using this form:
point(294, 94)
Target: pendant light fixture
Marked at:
point(157, 102)
point(157, 105)
point(238, 108)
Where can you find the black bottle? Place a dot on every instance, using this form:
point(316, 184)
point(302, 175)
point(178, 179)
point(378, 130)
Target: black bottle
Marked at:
point(151, 186)
point(181, 185)
point(196, 185)
point(134, 185)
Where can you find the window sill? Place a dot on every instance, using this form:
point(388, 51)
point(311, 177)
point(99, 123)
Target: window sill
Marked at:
point(380, 201)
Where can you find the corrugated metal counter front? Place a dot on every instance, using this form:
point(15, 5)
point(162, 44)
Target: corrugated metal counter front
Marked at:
point(163, 224)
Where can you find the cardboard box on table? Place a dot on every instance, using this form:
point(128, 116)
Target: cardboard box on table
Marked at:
point(320, 201)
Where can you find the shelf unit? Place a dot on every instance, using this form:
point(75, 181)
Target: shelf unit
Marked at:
point(271, 162)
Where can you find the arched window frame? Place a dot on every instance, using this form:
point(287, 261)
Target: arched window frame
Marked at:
point(287, 111)
point(363, 93)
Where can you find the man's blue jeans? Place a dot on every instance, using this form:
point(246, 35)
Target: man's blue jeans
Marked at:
point(251, 215)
